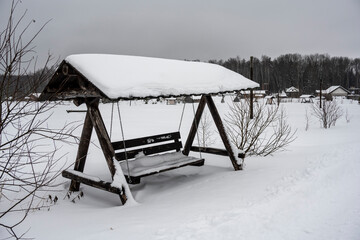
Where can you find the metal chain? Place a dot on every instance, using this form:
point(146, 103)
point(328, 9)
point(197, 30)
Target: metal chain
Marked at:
point(123, 140)
point(182, 114)
point(111, 119)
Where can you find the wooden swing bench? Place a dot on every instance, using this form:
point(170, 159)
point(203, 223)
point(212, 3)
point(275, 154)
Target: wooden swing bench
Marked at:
point(145, 156)
point(149, 155)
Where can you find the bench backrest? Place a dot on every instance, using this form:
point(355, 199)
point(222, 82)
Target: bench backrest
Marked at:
point(148, 145)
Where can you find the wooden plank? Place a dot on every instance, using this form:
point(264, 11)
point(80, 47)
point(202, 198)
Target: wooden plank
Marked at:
point(146, 140)
point(82, 150)
point(102, 134)
point(76, 111)
point(216, 151)
point(194, 126)
point(120, 156)
point(97, 184)
point(221, 130)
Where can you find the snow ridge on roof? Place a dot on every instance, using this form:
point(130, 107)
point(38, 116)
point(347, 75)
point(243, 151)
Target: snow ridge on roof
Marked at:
point(121, 76)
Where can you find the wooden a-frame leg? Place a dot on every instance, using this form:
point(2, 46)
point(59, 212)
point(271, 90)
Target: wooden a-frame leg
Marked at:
point(104, 140)
point(195, 124)
point(206, 99)
point(221, 129)
point(82, 150)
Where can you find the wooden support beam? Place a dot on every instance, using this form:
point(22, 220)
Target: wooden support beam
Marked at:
point(97, 184)
point(194, 126)
point(216, 151)
point(102, 134)
point(104, 138)
point(76, 111)
point(82, 150)
point(221, 129)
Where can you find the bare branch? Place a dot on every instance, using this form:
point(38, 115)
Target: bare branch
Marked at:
point(29, 155)
point(265, 134)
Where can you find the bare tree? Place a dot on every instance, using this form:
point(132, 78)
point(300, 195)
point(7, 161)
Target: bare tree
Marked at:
point(205, 130)
point(328, 114)
point(26, 169)
point(265, 134)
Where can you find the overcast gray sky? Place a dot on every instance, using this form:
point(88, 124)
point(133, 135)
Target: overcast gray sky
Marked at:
point(195, 29)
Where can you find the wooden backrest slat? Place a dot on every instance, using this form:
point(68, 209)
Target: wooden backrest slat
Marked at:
point(146, 140)
point(120, 156)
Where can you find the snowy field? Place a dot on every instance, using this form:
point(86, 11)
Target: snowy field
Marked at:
point(310, 191)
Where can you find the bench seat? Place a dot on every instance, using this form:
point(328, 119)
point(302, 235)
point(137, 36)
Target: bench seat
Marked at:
point(151, 155)
point(147, 165)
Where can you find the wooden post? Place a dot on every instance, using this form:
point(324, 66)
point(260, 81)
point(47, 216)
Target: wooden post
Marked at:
point(104, 140)
point(82, 150)
point(195, 124)
point(221, 129)
point(251, 90)
point(102, 135)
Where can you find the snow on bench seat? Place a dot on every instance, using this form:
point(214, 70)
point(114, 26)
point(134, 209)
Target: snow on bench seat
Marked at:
point(146, 165)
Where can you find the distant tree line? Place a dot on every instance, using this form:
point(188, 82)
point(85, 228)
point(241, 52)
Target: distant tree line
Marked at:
point(20, 86)
point(304, 72)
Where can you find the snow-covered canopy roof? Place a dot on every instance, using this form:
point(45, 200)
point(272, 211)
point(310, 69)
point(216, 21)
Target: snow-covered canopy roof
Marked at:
point(126, 77)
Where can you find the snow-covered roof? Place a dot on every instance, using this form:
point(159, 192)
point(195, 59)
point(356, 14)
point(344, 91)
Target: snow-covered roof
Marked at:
point(292, 89)
point(120, 76)
point(333, 88)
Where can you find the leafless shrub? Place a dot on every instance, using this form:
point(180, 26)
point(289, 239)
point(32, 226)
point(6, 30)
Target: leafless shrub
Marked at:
point(328, 114)
point(205, 130)
point(26, 169)
point(265, 134)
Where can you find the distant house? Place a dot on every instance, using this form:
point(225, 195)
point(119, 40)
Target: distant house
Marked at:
point(171, 101)
point(337, 91)
point(334, 91)
point(292, 92)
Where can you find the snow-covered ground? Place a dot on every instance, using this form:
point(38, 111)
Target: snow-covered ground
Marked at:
point(310, 191)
